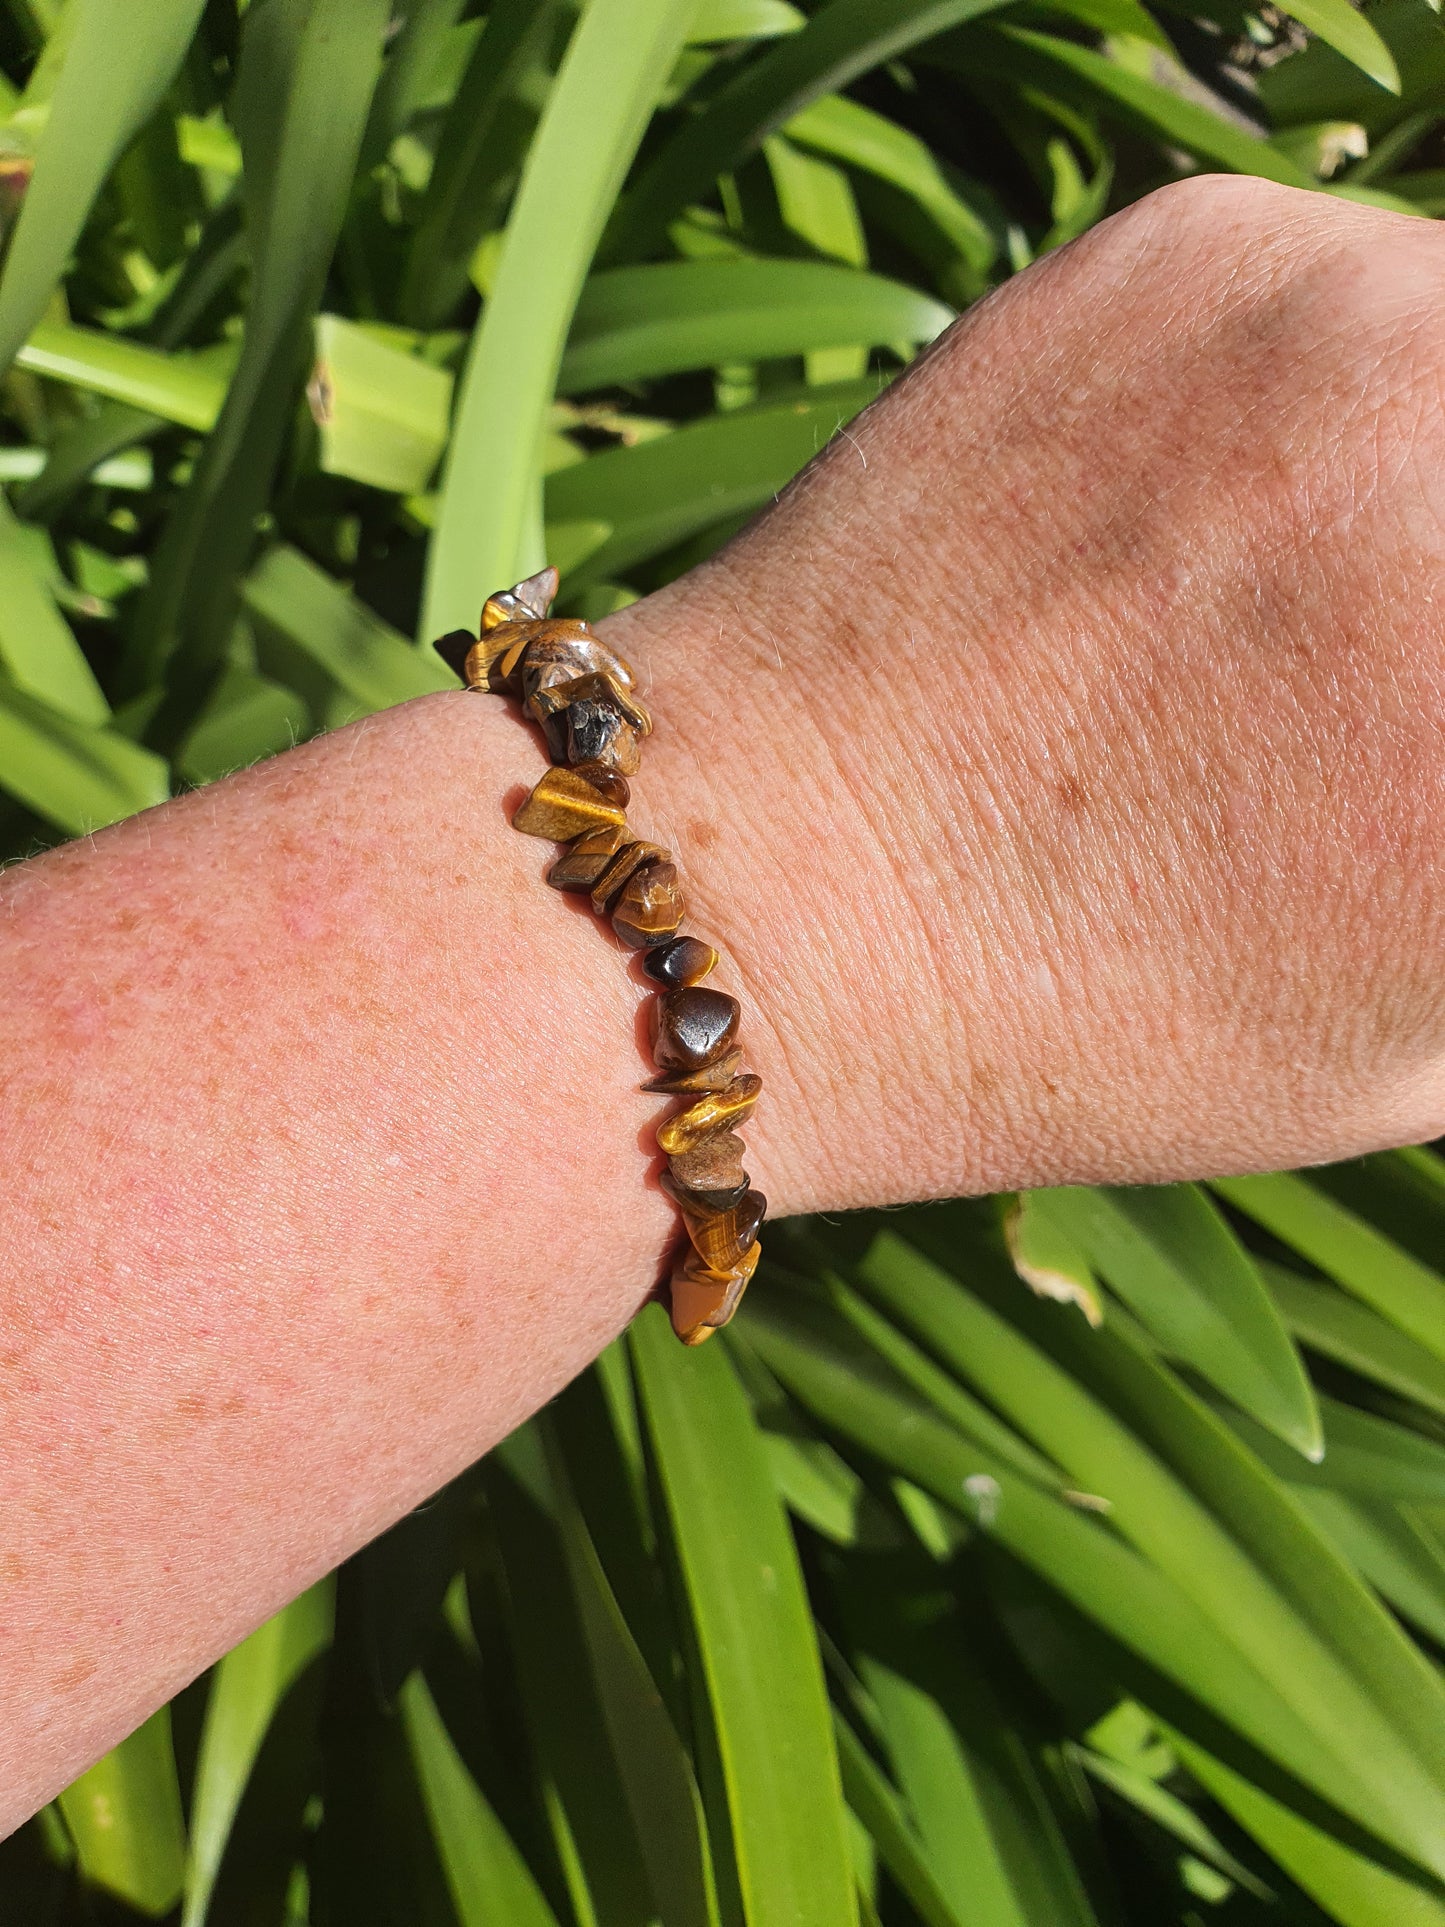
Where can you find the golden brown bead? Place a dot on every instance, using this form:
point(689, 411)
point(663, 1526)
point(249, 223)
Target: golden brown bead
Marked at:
point(716, 1164)
point(680, 964)
point(564, 805)
point(592, 686)
point(650, 907)
point(630, 857)
point(711, 1077)
point(714, 1112)
point(707, 1203)
point(584, 860)
point(703, 1300)
point(721, 1238)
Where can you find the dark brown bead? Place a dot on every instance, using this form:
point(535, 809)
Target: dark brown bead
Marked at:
point(598, 733)
point(454, 648)
point(716, 1165)
point(650, 907)
point(583, 861)
point(630, 857)
point(692, 1027)
point(566, 804)
point(703, 1300)
point(606, 782)
point(714, 1112)
point(594, 685)
point(680, 964)
point(712, 1077)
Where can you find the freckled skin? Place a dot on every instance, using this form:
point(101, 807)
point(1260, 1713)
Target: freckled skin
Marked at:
point(1062, 789)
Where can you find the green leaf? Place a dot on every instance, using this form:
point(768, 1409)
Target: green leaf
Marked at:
point(1168, 1253)
point(1245, 1558)
point(1349, 32)
point(718, 20)
point(309, 612)
point(1160, 111)
point(381, 414)
point(124, 1816)
point(488, 1879)
point(36, 643)
point(850, 132)
point(616, 64)
point(754, 1634)
point(879, 1806)
point(303, 89)
point(476, 149)
point(1171, 1813)
point(634, 324)
point(77, 775)
point(1142, 1608)
point(659, 492)
point(1318, 83)
point(248, 1686)
point(247, 717)
point(188, 389)
point(1346, 1249)
point(119, 60)
point(1337, 1326)
point(841, 41)
point(1356, 1891)
point(815, 202)
point(652, 1764)
point(1387, 1547)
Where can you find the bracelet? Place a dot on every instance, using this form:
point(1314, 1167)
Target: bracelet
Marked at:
point(584, 698)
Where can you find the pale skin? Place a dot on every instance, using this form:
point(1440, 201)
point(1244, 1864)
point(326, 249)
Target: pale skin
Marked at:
point(1060, 766)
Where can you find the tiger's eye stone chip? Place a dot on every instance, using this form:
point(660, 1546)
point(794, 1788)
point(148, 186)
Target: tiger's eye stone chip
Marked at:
point(566, 804)
point(630, 857)
point(692, 1027)
point(705, 1203)
point(582, 862)
point(712, 1077)
point(680, 964)
point(717, 1111)
point(722, 1238)
point(606, 782)
point(650, 907)
point(703, 1300)
point(529, 600)
point(716, 1164)
point(598, 733)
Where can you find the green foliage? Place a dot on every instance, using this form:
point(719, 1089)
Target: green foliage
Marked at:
point(1075, 1560)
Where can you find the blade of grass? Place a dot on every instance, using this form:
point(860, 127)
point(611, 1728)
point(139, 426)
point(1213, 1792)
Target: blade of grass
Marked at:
point(182, 388)
point(488, 1879)
point(36, 643)
point(1228, 1537)
point(125, 1819)
point(656, 494)
point(634, 324)
point(617, 61)
point(1337, 1326)
point(381, 414)
point(1145, 103)
point(303, 89)
point(249, 1685)
point(1168, 1253)
point(754, 1634)
point(841, 41)
point(1346, 1249)
point(119, 60)
point(76, 775)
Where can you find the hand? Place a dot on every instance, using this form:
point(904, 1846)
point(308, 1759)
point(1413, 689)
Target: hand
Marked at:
point(1077, 723)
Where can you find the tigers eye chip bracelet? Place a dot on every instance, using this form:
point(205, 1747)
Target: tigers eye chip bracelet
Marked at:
point(583, 696)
